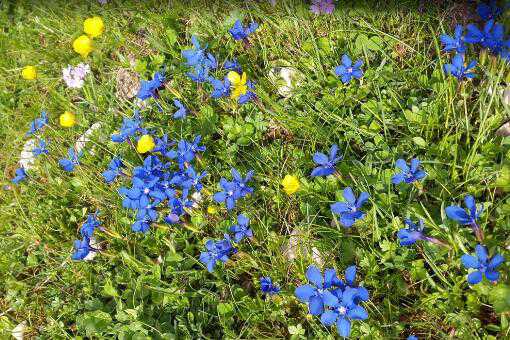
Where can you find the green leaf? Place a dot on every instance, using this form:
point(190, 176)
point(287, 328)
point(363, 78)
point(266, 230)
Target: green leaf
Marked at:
point(420, 142)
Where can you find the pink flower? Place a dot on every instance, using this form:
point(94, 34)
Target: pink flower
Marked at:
point(74, 76)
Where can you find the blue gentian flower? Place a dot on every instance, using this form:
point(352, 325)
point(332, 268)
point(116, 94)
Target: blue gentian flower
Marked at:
point(192, 179)
point(346, 71)
point(408, 174)
point(181, 112)
point(141, 226)
point(90, 225)
point(482, 264)
point(239, 32)
point(462, 217)
point(198, 56)
point(458, 69)
point(325, 163)
point(233, 65)
point(241, 182)
point(162, 144)
point(114, 170)
point(343, 312)
point(241, 229)
point(455, 43)
point(220, 88)
point(40, 149)
point(317, 294)
point(412, 233)
point(150, 88)
point(68, 164)
point(21, 174)
point(200, 74)
point(349, 211)
point(81, 249)
point(267, 286)
point(412, 337)
point(491, 37)
point(186, 151)
point(130, 126)
point(488, 11)
point(229, 194)
point(38, 123)
point(216, 251)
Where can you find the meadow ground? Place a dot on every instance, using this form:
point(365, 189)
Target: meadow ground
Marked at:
point(153, 285)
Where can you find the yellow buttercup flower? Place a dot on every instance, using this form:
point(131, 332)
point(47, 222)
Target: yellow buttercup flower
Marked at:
point(67, 119)
point(238, 83)
point(94, 26)
point(145, 144)
point(212, 210)
point(83, 45)
point(29, 72)
point(290, 184)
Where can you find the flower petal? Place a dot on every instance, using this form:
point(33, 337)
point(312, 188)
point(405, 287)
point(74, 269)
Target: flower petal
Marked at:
point(470, 261)
point(343, 326)
point(357, 313)
point(315, 305)
point(328, 318)
point(475, 277)
point(305, 292)
point(314, 275)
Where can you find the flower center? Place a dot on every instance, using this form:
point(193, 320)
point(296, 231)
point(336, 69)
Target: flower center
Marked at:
point(342, 310)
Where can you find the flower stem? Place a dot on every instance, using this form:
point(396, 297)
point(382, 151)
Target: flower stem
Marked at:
point(477, 230)
point(436, 241)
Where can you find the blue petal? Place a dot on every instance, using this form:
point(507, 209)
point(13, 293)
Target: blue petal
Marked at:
point(315, 305)
point(481, 252)
point(313, 274)
point(357, 313)
point(343, 326)
point(329, 299)
point(328, 318)
point(398, 178)
point(496, 261)
point(492, 275)
point(346, 61)
point(475, 277)
point(350, 275)
point(470, 261)
point(349, 195)
point(457, 214)
point(340, 207)
point(320, 158)
point(305, 292)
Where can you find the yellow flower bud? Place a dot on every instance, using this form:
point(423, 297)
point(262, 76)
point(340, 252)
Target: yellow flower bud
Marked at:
point(67, 119)
point(83, 45)
point(29, 72)
point(145, 144)
point(94, 26)
point(290, 184)
point(212, 210)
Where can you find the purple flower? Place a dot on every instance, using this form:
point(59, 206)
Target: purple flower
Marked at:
point(74, 76)
point(322, 6)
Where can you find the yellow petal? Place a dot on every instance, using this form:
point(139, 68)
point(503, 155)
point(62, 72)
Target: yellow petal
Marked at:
point(234, 77)
point(67, 119)
point(145, 144)
point(243, 79)
point(29, 72)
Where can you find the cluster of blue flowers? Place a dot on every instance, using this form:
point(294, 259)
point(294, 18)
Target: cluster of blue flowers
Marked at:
point(491, 37)
point(83, 247)
point(157, 182)
point(337, 302)
point(221, 250)
point(36, 126)
point(202, 63)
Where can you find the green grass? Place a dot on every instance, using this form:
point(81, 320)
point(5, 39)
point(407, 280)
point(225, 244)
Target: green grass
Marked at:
point(404, 107)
